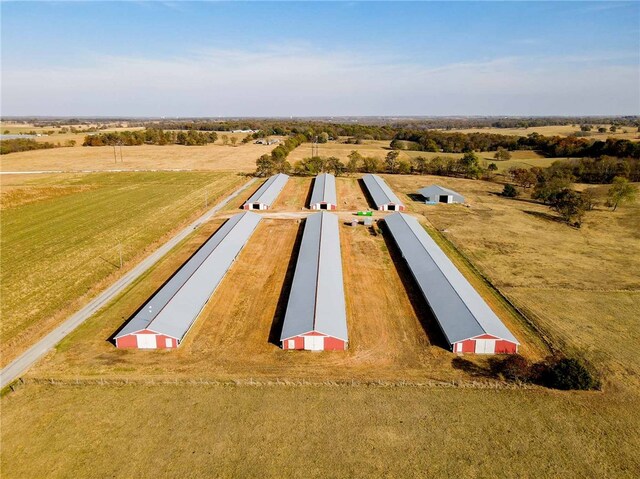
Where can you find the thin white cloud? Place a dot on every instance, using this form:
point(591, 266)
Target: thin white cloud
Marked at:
point(298, 80)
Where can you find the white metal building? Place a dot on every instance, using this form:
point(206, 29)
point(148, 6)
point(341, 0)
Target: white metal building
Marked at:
point(164, 320)
point(381, 194)
point(264, 197)
point(323, 196)
point(467, 322)
point(438, 194)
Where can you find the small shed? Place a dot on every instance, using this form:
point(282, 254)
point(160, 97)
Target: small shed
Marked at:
point(439, 194)
point(323, 196)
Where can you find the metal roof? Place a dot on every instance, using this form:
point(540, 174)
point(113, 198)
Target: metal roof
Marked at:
point(269, 190)
point(439, 190)
point(316, 302)
point(324, 189)
point(456, 305)
point(380, 191)
point(174, 308)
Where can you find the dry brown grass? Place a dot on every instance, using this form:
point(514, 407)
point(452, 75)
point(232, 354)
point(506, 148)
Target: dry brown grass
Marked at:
point(319, 432)
point(212, 157)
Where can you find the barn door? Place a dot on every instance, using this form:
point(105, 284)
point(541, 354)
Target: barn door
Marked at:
point(314, 343)
point(147, 341)
point(485, 346)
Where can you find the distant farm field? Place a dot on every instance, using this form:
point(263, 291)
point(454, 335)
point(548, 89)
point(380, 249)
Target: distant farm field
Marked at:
point(625, 132)
point(62, 236)
point(214, 157)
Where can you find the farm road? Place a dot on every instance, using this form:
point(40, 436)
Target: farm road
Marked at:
point(23, 362)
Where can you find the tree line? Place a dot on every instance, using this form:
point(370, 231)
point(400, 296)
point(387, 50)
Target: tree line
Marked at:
point(554, 146)
point(151, 136)
point(23, 144)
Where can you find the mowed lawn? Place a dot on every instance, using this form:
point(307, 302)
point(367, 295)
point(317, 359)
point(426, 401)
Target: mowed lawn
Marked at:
point(62, 237)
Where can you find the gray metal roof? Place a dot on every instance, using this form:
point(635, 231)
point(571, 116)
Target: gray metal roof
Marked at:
point(174, 308)
point(324, 189)
point(380, 191)
point(439, 190)
point(456, 305)
point(316, 302)
point(269, 190)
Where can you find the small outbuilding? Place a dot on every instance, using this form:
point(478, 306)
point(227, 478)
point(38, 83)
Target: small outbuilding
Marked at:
point(264, 197)
point(164, 320)
point(323, 196)
point(438, 194)
point(316, 318)
point(381, 194)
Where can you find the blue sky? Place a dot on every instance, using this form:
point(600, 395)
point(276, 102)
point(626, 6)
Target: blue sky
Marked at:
point(326, 58)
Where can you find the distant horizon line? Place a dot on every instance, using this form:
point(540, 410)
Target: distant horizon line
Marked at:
point(305, 117)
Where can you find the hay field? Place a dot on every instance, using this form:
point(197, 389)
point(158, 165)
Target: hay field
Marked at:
point(61, 236)
point(213, 157)
point(558, 130)
point(57, 136)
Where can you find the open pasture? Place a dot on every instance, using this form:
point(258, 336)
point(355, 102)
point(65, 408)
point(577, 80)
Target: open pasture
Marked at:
point(213, 157)
point(62, 236)
point(358, 431)
point(625, 132)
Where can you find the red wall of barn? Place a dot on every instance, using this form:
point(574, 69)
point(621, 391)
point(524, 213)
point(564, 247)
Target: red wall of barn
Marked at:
point(246, 207)
point(401, 207)
point(506, 347)
point(299, 343)
point(334, 344)
point(502, 346)
point(131, 341)
point(127, 342)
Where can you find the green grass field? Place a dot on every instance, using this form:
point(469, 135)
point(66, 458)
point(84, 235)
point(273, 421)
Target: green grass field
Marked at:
point(61, 237)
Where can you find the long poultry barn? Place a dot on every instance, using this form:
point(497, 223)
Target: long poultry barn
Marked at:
point(165, 319)
point(264, 197)
point(381, 194)
point(468, 323)
point(323, 196)
point(316, 317)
